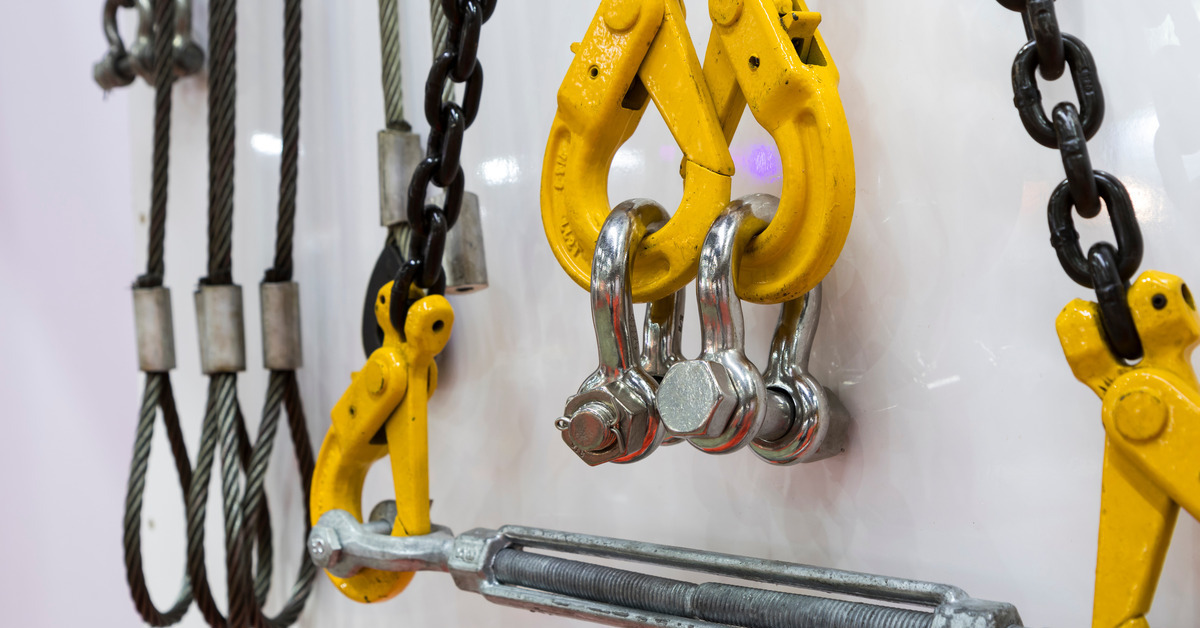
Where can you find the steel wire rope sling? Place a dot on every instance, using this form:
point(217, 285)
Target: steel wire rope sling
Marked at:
point(152, 311)
point(1132, 346)
point(219, 314)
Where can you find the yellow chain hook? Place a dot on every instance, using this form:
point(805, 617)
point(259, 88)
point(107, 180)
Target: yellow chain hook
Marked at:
point(633, 51)
point(1151, 414)
point(384, 413)
point(769, 55)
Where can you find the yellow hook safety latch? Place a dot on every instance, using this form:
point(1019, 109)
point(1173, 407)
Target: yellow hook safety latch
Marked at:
point(1152, 450)
point(634, 49)
point(384, 413)
point(768, 54)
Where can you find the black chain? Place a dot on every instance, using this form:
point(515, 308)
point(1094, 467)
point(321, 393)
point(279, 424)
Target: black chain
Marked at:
point(448, 121)
point(1105, 268)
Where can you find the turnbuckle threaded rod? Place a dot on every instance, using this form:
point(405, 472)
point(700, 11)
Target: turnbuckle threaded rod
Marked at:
point(721, 603)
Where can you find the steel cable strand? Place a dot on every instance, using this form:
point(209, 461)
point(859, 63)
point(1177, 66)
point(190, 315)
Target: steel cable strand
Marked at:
point(282, 392)
point(439, 26)
point(282, 389)
point(157, 394)
point(198, 503)
point(389, 47)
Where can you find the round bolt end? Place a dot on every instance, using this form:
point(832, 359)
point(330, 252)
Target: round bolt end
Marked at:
point(1140, 415)
point(591, 426)
point(621, 15)
point(696, 398)
point(324, 548)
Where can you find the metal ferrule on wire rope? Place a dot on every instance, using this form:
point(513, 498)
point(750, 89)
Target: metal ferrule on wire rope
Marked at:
point(221, 328)
point(155, 329)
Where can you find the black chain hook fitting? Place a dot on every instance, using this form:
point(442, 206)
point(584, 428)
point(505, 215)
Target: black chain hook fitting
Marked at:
point(1065, 239)
point(1077, 162)
point(1107, 268)
point(1028, 98)
point(448, 122)
point(1111, 297)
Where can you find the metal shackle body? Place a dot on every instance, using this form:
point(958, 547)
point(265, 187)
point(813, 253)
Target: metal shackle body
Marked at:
point(813, 423)
point(1151, 416)
point(613, 418)
point(717, 400)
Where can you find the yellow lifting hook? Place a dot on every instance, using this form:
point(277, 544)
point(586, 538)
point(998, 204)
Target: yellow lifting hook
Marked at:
point(388, 397)
point(1151, 416)
point(766, 53)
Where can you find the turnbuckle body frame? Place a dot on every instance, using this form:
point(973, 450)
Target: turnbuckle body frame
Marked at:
point(482, 561)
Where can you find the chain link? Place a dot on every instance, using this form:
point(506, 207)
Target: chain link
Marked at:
point(448, 122)
point(1106, 268)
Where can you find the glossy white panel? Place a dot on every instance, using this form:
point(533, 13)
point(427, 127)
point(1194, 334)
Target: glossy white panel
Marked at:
point(975, 456)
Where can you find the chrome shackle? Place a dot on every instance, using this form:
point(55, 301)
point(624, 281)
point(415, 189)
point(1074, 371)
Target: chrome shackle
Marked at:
point(720, 402)
point(613, 416)
point(662, 340)
point(805, 421)
point(716, 400)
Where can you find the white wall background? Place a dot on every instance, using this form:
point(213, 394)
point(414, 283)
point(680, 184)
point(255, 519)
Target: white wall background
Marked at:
point(975, 459)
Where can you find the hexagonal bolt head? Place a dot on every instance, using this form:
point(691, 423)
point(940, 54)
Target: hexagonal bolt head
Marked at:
point(696, 398)
point(324, 547)
point(592, 427)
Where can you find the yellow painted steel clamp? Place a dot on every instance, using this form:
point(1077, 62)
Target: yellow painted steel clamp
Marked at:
point(633, 49)
point(768, 54)
point(636, 48)
point(1152, 451)
point(384, 413)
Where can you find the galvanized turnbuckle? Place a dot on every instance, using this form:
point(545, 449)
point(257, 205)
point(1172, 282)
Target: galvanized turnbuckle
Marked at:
point(1151, 414)
point(720, 401)
point(510, 567)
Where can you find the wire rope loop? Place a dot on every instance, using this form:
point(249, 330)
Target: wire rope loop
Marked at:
point(1028, 98)
point(1077, 162)
point(468, 42)
point(1043, 24)
point(1111, 297)
point(283, 392)
point(157, 395)
point(1065, 239)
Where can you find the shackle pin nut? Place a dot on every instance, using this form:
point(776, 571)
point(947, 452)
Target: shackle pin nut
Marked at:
point(222, 331)
point(155, 329)
point(280, 304)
